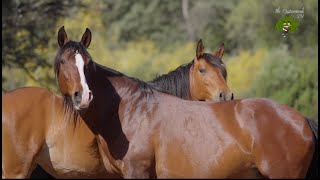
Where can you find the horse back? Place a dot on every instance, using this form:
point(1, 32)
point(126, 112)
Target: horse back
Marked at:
point(29, 107)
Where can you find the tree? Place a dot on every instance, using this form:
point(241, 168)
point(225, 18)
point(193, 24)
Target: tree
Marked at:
point(168, 22)
point(26, 28)
point(159, 21)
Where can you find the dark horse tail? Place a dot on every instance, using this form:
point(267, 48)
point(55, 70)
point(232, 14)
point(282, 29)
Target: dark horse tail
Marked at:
point(313, 171)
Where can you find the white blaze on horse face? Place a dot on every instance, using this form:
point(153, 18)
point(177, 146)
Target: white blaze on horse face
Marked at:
point(85, 99)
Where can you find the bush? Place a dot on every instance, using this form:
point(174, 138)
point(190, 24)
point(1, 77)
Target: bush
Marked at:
point(289, 80)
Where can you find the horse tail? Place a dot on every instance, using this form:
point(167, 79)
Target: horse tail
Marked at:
point(313, 170)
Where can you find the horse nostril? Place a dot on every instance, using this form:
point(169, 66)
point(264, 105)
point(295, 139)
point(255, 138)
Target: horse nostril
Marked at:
point(76, 94)
point(90, 96)
point(77, 97)
point(222, 96)
point(232, 96)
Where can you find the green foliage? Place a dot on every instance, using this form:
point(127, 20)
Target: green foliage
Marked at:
point(163, 22)
point(243, 69)
point(26, 29)
point(289, 80)
point(242, 25)
point(159, 21)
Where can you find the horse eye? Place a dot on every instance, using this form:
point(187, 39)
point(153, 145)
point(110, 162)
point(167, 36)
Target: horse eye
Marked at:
point(202, 71)
point(62, 61)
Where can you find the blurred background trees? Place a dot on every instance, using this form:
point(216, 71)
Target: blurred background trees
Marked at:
point(143, 38)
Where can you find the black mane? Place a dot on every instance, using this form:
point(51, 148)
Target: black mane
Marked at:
point(176, 82)
point(145, 87)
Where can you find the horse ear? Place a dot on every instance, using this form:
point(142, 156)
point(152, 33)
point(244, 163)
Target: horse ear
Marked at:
point(86, 38)
point(200, 49)
point(62, 36)
point(220, 51)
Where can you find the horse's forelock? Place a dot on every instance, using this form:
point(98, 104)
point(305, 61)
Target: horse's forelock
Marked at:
point(71, 45)
point(216, 62)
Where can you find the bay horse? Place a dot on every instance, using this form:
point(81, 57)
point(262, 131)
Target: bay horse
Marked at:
point(35, 131)
point(39, 128)
point(202, 79)
point(143, 132)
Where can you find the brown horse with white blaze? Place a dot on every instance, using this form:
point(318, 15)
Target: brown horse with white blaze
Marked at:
point(38, 131)
point(144, 132)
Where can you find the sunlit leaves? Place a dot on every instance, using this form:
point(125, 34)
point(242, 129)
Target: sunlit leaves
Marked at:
point(243, 70)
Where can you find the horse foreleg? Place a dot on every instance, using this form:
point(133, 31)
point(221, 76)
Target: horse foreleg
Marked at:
point(136, 169)
point(17, 159)
point(138, 162)
point(17, 169)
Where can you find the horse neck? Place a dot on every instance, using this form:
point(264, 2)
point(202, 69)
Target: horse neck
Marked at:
point(120, 85)
point(109, 88)
point(176, 82)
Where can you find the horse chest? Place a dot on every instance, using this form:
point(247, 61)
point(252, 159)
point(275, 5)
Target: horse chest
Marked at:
point(69, 153)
